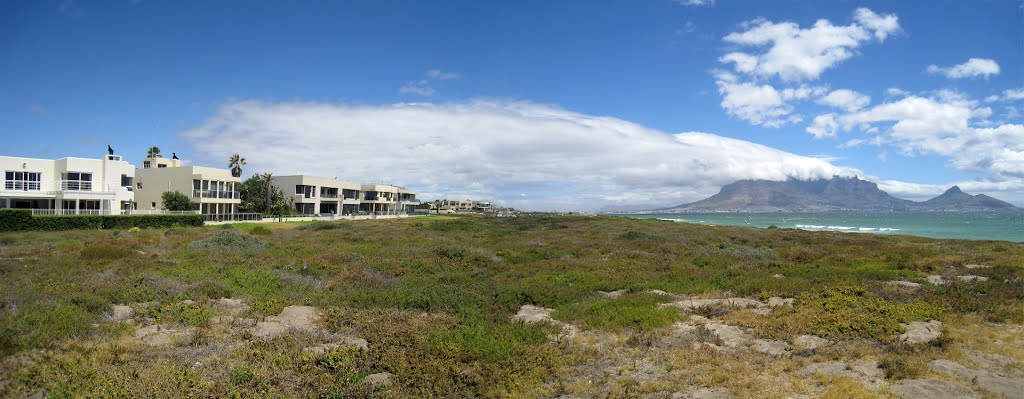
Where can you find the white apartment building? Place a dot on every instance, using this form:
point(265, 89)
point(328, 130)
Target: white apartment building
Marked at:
point(214, 191)
point(461, 205)
point(313, 195)
point(67, 185)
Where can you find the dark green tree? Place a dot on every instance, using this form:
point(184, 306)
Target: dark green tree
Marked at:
point(260, 196)
point(176, 201)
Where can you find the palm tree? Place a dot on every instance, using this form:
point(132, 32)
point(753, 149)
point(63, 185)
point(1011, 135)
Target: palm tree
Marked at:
point(267, 179)
point(153, 152)
point(235, 163)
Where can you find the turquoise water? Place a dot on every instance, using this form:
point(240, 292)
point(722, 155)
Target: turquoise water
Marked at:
point(975, 226)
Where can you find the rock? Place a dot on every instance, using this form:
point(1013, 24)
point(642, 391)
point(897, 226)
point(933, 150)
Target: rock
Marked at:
point(976, 266)
point(907, 285)
point(704, 393)
point(659, 292)
point(931, 389)
point(346, 342)
point(297, 318)
point(778, 276)
point(989, 381)
point(936, 280)
point(971, 277)
point(775, 302)
point(771, 348)
point(612, 294)
point(161, 335)
point(230, 306)
point(762, 311)
point(731, 336)
point(535, 314)
point(379, 379)
point(919, 332)
point(866, 372)
point(691, 304)
point(810, 342)
point(119, 313)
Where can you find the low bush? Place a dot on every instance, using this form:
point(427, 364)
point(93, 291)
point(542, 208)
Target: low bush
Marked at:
point(321, 226)
point(260, 231)
point(227, 240)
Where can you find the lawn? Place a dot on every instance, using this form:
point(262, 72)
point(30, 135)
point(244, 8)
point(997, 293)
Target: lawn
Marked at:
point(434, 300)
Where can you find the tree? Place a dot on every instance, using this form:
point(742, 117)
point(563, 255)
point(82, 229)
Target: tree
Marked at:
point(153, 152)
point(259, 196)
point(176, 201)
point(235, 163)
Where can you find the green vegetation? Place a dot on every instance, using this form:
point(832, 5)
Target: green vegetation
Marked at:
point(176, 201)
point(434, 298)
point(22, 219)
point(260, 196)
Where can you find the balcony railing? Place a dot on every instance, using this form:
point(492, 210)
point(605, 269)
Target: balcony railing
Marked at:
point(219, 194)
point(325, 195)
point(234, 217)
point(22, 185)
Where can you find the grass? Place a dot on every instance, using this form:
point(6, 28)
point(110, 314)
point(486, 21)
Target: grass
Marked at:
point(434, 297)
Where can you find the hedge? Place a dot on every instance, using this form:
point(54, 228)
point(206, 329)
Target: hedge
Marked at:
point(22, 219)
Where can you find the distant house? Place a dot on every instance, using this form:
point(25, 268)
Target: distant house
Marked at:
point(67, 185)
point(454, 206)
point(312, 195)
point(214, 191)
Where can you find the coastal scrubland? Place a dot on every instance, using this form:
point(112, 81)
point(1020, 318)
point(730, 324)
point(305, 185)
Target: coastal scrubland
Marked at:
point(560, 306)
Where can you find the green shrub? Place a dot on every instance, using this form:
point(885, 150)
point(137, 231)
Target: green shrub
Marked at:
point(638, 236)
point(260, 231)
point(321, 226)
point(637, 312)
point(22, 219)
point(105, 251)
point(176, 201)
point(227, 240)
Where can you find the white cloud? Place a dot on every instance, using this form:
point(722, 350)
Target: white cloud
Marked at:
point(1007, 95)
point(440, 75)
point(897, 92)
point(946, 124)
point(419, 87)
point(792, 53)
point(758, 104)
point(973, 68)
point(499, 149)
point(422, 87)
point(847, 100)
point(696, 3)
point(826, 126)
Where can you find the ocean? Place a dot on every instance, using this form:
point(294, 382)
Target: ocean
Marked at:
point(974, 226)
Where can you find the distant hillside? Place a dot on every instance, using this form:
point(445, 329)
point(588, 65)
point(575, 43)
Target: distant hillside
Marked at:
point(830, 195)
point(956, 200)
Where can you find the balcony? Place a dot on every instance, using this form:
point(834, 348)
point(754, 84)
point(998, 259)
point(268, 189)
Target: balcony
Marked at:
point(331, 196)
point(215, 194)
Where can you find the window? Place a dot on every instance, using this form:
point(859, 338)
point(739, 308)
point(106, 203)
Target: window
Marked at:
point(146, 164)
point(161, 165)
point(77, 181)
point(22, 181)
point(126, 181)
point(305, 191)
point(138, 185)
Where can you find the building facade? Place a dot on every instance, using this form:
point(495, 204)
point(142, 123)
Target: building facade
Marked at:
point(214, 191)
point(451, 206)
point(312, 195)
point(67, 185)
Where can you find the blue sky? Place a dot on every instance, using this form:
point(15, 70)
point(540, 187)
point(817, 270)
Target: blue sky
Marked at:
point(539, 105)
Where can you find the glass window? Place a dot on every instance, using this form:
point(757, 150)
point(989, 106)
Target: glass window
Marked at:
point(86, 177)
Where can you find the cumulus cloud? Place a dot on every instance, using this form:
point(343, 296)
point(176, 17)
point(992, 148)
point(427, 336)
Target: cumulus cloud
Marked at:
point(1007, 95)
point(785, 52)
point(494, 149)
point(844, 99)
point(792, 53)
point(973, 68)
point(946, 124)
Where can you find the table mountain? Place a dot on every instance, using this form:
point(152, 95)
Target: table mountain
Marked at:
point(830, 195)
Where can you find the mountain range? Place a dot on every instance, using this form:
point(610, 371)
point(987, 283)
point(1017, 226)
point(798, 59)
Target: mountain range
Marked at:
point(832, 195)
